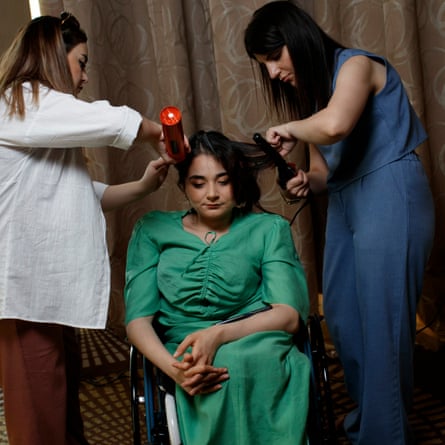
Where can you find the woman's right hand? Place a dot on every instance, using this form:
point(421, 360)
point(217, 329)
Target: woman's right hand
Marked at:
point(281, 138)
point(200, 378)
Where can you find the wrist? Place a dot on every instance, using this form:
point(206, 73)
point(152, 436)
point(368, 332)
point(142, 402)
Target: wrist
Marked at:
point(156, 131)
point(219, 332)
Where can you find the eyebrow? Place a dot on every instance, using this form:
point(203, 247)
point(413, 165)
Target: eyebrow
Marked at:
point(219, 175)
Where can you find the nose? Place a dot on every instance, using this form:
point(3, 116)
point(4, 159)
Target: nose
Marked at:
point(84, 77)
point(212, 192)
point(273, 70)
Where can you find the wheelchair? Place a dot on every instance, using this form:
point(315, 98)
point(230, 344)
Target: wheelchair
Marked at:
point(154, 391)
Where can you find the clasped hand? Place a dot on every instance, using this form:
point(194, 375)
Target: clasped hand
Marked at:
point(199, 376)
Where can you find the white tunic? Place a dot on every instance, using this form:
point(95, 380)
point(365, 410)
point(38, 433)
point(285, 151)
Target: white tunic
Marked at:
point(54, 264)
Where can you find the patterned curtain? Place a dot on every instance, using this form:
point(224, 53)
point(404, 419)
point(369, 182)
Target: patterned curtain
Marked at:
point(149, 53)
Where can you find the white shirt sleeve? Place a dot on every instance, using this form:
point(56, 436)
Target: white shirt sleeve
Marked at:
point(99, 189)
point(61, 120)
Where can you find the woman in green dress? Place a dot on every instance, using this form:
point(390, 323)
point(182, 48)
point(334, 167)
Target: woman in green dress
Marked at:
point(225, 284)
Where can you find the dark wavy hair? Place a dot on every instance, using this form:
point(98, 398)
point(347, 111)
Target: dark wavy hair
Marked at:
point(38, 55)
point(312, 52)
point(240, 160)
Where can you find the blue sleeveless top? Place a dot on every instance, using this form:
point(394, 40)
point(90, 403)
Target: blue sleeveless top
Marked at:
point(387, 130)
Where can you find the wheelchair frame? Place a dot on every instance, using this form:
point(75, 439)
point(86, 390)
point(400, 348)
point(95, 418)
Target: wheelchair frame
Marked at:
point(155, 388)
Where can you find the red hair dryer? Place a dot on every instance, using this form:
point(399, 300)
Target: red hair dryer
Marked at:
point(171, 121)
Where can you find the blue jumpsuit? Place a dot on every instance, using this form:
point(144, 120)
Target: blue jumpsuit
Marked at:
point(378, 238)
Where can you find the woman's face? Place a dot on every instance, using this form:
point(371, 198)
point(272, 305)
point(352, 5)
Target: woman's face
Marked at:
point(209, 190)
point(77, 61)
point(279, 66)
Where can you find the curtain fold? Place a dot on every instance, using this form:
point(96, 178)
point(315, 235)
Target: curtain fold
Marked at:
point(149, 54)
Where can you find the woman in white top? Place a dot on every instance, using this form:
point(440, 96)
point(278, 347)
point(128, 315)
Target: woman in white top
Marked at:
point(54, 270)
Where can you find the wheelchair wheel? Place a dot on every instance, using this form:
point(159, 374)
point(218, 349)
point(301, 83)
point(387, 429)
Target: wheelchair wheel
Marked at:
point(146, 392)
point(172, 419)
point(136, 398)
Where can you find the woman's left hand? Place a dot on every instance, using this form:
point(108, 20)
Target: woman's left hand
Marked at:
point(154, 175)
point(298, 186)
point(204, 345)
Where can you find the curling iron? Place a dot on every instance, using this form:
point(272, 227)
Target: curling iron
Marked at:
point(285, 170)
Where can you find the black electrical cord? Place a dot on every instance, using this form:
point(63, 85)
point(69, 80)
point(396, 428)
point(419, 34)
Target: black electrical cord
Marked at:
point(433, 319)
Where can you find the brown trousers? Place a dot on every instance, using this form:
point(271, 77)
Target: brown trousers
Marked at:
point(40, 375)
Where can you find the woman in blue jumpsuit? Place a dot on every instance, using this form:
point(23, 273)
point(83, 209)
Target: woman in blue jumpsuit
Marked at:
point(350, 107)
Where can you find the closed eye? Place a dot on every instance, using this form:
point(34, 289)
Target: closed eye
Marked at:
point(274, 55)
point(196, 185)
point(83, 62)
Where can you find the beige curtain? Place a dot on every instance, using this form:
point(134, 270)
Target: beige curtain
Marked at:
point(189, 53)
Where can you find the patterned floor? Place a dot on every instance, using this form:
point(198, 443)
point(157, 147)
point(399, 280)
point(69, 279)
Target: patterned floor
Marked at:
point(427, 418)
point(105, 393)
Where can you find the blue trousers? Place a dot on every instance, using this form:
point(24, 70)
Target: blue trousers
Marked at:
point(378, 239)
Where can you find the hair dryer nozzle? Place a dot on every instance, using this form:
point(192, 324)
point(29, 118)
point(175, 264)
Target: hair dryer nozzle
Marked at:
point(171, 121)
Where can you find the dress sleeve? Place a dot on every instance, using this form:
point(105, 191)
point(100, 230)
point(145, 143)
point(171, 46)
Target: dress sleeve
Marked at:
point(141, 290)
point(284, 280)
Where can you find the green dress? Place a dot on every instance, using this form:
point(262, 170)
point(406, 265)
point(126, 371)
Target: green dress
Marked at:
point(190, 285)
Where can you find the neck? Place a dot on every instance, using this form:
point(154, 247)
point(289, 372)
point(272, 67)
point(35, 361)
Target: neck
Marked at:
point(217, 226)
point(208, 231)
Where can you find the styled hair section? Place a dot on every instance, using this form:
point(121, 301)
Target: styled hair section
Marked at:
point(234, 157)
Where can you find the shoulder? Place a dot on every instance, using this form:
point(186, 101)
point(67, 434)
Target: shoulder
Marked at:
point(50, 97)
point(361, 67)
point(157, 225)
point(346, 54)
point(156, 217)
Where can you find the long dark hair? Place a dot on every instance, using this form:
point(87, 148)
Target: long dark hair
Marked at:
point(312, 52)
point(240, 160)
point(38, 55)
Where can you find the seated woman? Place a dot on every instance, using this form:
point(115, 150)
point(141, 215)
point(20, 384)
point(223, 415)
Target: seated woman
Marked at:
point(226, 286)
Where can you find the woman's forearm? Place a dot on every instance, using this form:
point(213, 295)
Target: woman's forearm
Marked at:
point(119, 195)
point(149, 131)
point(200, 379)
point(142, 335)
point(318, 173)
point(282, 317)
